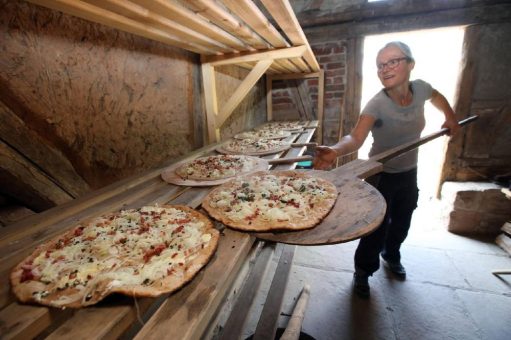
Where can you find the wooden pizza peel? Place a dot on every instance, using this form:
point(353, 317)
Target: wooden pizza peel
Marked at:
point(359, 208)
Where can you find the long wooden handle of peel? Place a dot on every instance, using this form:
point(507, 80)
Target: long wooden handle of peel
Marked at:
point(389, 154)
point(304, 144)
point(294, 325)
point(290, 160)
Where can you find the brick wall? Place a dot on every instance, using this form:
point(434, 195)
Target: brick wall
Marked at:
point(331, 57)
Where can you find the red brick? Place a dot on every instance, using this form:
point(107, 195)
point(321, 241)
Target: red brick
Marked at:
point(334, 66)
point(325, 49)
point(334, 73)
point(332, 88)
point(331, 58)
point(337, 80)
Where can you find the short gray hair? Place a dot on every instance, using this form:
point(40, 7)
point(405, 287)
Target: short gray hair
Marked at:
point(402, 47)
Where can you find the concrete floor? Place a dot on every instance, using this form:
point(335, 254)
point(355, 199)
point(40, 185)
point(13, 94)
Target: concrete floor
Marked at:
point(449, 292)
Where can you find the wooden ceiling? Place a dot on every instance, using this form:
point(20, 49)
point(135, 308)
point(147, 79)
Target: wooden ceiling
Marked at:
point(222, 31)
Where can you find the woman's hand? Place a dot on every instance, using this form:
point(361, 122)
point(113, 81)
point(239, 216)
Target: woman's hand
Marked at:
point(452, 125)
point(324, 158)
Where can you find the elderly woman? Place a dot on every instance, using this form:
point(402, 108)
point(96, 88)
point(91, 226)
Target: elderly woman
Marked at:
point(395, 115)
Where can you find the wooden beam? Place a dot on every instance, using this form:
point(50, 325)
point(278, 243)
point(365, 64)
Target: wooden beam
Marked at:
point(285, 17)
point(288, 65)
point(242, 90)
point(267, 325)
point(295, 97)
point(487, 14)
point(303, 92)
point(233, 327)
point(229, 59)
point(296, 76)
point(92, 13)
point(175, 12)
point(28, 184)
point(252, 15)
point(43, 155)
point(269, 99)
point(222, 18)
point(321, 95)
point(208, 80)
point(354, 13)
point(301, 64)
point(142, 14)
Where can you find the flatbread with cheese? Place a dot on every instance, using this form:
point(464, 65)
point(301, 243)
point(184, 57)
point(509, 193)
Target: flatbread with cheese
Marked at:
point(271, 201)
point(263, 134)
point(137, 252)
point(253, 147)
point(285, 125)
point(211, 168)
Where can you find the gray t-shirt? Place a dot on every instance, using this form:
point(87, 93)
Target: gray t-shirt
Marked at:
point(395, 125)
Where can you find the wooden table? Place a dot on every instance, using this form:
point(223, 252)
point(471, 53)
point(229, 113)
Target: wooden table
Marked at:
point(187, 314)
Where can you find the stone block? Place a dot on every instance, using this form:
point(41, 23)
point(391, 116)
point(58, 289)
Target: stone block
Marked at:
point(463, 221)
point(475, 207)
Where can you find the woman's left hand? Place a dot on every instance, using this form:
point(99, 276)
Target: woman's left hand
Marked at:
point(452, 125)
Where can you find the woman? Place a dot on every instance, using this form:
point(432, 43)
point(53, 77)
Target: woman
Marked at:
point(395, 115)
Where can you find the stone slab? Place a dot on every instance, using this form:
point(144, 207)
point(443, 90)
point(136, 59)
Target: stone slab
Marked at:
point(490, 312)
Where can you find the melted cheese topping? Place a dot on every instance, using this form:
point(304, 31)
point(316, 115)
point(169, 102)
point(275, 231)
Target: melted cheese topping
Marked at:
point(282, 126)
point(271, 198)
point(218, 166)
point(253, 145)
point(130, 247)
point(263, 134)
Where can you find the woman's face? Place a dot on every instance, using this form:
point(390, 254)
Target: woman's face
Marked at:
point(393, 67)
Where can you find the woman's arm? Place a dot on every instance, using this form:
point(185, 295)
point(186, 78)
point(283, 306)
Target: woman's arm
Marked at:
point(439, 101)
point(325, 156)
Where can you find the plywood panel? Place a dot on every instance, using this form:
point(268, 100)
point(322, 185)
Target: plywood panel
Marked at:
point(111, 102)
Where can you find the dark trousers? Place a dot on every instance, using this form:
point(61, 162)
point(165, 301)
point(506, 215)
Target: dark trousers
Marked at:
point(401, 194)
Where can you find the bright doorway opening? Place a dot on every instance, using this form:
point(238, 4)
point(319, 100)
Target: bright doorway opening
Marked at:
point(437, 54)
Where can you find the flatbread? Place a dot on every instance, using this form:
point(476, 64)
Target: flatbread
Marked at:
point(253, 147)
point(285, 125)
point(252, 164)
point(263, 134)
point(271, 201)
point(138, 252)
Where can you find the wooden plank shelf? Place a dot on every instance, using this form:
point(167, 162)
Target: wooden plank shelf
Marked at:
point(192, 308)
point(223, 32)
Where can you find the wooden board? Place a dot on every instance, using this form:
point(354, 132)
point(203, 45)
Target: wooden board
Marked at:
point(359, 210)
point(169, 175)
point(220, 149)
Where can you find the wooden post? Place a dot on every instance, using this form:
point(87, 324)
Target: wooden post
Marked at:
point(321, 94)
point(269, 99)
point(208, 77)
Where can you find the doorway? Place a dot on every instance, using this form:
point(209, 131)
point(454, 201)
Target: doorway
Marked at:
point(437, 54)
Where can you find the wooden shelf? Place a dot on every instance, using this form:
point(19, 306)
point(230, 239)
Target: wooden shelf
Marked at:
point(223, 32)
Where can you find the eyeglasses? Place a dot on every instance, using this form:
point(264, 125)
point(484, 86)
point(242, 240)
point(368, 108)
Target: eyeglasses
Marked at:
point(391, 64)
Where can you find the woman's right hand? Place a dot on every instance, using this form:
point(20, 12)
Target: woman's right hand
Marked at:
point(324, 158)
